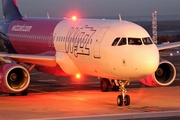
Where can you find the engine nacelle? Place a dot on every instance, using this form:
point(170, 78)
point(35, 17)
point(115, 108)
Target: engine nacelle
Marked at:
point(163, 76)
point(14, 78)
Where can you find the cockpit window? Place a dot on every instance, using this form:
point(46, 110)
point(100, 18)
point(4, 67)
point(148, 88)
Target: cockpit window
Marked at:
point(122, 42)
point(115, 41)
point(147, 41)
point(134, 41)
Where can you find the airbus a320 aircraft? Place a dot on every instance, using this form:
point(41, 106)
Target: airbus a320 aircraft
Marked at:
point(115, 51)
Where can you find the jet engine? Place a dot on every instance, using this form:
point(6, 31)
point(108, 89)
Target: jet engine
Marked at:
point(163, 76)
point(14, 78)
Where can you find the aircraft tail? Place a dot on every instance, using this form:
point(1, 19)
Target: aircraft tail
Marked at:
point(10, 10)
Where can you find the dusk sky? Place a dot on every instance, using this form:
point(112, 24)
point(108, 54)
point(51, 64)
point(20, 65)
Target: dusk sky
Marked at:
point(97, 8)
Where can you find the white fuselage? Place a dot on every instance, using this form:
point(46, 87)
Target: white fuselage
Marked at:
point(85, 46)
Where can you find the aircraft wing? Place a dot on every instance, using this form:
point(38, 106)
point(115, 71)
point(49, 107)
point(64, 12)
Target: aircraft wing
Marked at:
point(49, 61)
point(168, 46)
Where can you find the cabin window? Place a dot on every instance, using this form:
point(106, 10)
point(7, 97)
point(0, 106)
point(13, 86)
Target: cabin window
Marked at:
point(115, 41)
point(122, 42)
point(134, 41)
point(147, 41)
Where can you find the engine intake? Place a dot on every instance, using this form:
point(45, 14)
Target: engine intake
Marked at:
point(163, 76)
point(14, 78)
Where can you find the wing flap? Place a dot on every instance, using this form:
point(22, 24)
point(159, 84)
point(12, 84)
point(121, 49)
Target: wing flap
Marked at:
point(49, 61)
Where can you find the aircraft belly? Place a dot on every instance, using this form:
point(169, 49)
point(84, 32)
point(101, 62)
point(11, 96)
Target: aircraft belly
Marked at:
point(66, 63)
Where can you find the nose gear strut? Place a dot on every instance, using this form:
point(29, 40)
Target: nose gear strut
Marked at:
point(122, 98)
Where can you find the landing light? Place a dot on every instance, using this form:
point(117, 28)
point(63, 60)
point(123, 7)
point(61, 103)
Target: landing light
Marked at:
point(78, 76)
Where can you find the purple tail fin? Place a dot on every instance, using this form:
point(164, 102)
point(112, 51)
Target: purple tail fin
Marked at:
point(10, 10)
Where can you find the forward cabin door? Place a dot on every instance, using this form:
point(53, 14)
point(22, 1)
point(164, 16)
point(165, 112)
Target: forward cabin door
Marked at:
point(97, 44)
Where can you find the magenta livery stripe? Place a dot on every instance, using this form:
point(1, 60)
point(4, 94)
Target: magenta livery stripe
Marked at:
point(32, 36)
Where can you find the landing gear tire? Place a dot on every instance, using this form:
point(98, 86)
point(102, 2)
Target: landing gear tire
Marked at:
point(12, 94)
point(24, 93)
point(120, 100)
point(104, 84)
point(127, 100)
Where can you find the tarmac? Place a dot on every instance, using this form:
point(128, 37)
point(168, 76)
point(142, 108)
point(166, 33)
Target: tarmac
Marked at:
point(65, 98)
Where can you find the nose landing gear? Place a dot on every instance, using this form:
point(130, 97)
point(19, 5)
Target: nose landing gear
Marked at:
point(117, 85)
point(123, 98)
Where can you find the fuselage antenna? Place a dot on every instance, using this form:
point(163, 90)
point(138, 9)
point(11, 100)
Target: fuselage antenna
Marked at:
point(48, 16)
point(120, 19)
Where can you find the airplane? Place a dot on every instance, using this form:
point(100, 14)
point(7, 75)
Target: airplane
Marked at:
point(116, 51)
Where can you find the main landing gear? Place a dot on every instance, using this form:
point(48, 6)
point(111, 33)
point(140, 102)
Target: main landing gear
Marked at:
point(23, 93)
point(105, 84)
point(117, 85)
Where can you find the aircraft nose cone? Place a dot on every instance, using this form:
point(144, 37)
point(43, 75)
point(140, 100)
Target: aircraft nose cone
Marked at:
point(146, 62)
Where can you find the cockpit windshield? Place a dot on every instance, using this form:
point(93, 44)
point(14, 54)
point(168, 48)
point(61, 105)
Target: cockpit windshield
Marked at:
point(115, 41)
point(134, 41)
point(147, 41)
point(131, 41)
point(122, 42)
